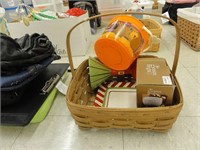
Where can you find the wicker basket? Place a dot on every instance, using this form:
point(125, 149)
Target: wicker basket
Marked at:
point(80, 98)
point(190, 33)
point(156, 29)
point(189, 24)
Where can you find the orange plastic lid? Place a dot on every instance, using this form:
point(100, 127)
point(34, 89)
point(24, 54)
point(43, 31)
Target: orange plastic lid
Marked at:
point(113, 54)
point(116, 51)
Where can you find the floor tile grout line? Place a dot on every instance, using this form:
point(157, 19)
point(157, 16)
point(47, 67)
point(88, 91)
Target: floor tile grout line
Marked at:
point(16, 138)
point(189, 116)
point(192, 74)
point(123, 139)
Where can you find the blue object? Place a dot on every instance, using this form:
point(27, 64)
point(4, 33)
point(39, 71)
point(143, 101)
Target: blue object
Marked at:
point(13, 82)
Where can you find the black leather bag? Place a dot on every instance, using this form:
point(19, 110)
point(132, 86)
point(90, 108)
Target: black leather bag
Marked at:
point(18, 54)
point(22, 60)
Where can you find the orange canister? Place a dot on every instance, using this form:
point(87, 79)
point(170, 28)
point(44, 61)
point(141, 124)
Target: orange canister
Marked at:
point(121, 42)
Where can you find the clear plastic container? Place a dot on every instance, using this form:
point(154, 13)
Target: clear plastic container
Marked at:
point(122, 41)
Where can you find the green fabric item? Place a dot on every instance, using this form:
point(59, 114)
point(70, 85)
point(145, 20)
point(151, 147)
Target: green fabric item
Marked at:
point(98, 72)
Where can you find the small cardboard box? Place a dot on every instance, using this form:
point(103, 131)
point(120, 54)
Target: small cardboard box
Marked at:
point(154, 81)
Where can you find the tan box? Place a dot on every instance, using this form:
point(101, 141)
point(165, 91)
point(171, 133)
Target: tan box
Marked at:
point(155, 85)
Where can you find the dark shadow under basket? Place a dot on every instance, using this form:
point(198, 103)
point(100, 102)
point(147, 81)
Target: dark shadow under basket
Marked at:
point(80, 98)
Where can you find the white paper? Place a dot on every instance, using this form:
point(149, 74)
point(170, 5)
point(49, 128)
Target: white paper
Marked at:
point(62, 88)
point(163, 20)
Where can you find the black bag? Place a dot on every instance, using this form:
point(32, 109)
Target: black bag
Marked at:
point(22, 60)
point(18, 54)
point(172, 9)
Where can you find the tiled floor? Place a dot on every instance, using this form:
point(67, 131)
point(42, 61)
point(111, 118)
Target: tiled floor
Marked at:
point(59, 132)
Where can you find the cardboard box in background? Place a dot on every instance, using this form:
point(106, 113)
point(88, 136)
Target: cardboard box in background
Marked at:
point(56, 30)
point(154, 80)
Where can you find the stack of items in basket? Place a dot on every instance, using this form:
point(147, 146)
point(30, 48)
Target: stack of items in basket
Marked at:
point(120, 77)
point(146, 83)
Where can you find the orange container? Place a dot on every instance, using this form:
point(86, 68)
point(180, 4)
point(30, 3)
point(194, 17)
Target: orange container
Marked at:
point(122, 41)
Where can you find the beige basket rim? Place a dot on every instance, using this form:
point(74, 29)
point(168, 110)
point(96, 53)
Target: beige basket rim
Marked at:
point(154, 21)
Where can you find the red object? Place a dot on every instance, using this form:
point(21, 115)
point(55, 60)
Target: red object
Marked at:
point(131, 70)
point(75, 12)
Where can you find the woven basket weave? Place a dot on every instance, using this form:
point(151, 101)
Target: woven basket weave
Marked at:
point(190, 33)
point(156, 29)
point(80, 98)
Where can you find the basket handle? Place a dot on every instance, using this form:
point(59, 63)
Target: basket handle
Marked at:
point(150, 38)
point(177, 48)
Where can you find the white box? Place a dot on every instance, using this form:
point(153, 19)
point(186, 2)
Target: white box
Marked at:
point(109, 4)
point(54, 5)
point(56, 30)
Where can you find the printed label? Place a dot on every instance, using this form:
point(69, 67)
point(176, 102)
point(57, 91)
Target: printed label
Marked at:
point(152, 69)
point(167, 80)
point(152, 92)
point(60, 51)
